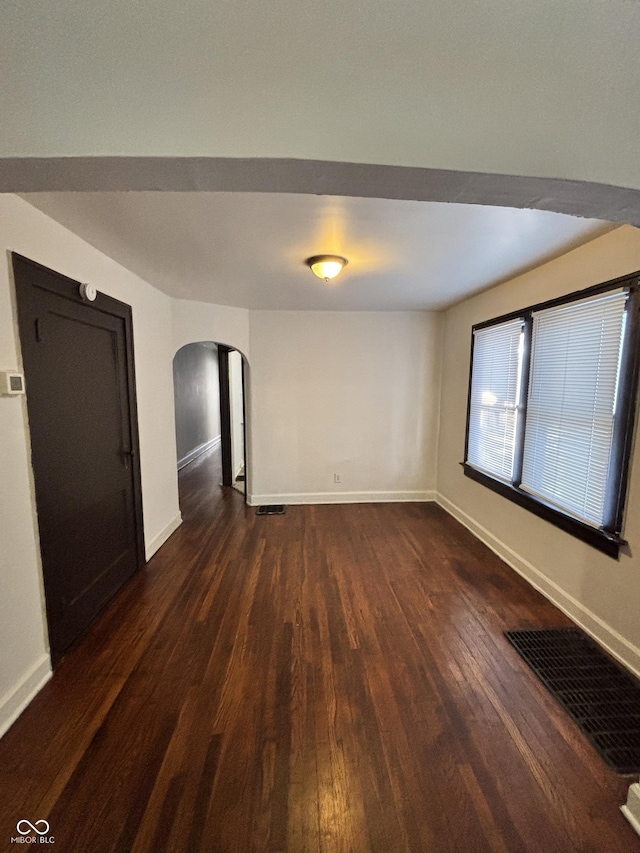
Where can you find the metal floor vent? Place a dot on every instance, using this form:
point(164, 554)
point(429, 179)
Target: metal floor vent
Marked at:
point(602, 697)
point(271, 509)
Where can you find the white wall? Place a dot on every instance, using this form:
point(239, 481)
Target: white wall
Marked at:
point(202, 321)
point(343, 392)
point(24, 661)
point(597, 591)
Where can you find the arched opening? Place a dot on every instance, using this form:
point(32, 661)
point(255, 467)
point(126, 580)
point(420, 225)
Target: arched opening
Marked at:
point(209, 404)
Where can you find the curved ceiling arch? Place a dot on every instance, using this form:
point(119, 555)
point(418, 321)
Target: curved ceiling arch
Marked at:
point(275, 175)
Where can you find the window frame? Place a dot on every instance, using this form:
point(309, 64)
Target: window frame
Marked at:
point(607, 539)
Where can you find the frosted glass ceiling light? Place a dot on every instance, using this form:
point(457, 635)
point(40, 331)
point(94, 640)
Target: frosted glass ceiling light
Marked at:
point(326, 266)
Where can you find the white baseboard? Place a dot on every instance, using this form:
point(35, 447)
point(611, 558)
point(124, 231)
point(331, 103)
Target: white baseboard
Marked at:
point(162, 537)
point(604, 634)
point(198, 451)
point(631, 810)
point(342, 498)
point(16, 700)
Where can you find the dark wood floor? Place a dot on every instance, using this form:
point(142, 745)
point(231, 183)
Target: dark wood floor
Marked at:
point(334, 679)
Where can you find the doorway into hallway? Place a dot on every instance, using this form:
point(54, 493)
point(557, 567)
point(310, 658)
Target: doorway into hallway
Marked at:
point(210, 409)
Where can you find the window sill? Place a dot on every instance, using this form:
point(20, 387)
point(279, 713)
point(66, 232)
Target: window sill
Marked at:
point(608, 543)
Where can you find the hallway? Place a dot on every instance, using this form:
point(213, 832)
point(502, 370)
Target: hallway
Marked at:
point(333, 679)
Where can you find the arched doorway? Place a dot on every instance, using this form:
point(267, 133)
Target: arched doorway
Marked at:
point(209, 400)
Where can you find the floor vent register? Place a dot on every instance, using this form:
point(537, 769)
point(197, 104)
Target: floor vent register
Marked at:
point(601, 696)
point(271, 509)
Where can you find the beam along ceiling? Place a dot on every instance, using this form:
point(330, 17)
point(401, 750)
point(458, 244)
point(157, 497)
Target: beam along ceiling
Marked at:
point(527, 87)
point(248, 249)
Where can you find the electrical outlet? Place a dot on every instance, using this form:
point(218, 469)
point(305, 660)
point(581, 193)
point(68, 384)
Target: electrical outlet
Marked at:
point(337, 478)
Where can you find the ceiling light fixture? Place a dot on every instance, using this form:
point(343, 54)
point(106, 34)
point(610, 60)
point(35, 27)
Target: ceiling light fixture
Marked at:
point(326, 266)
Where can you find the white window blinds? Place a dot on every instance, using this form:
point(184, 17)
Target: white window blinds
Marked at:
point(495, 387)
point(573, 383)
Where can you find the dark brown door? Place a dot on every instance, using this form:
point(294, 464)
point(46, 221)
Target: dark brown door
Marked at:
point(78, 363)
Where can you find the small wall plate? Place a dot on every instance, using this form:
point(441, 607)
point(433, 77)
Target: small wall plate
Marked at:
point(11, 383)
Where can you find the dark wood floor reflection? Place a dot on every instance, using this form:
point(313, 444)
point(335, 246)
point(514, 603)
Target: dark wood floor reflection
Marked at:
point(334, 679)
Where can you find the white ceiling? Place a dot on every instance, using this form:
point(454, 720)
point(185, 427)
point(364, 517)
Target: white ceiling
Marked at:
point(248, 249)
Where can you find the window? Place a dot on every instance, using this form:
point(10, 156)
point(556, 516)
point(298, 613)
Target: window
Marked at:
point(551, 408)
point(495, 389)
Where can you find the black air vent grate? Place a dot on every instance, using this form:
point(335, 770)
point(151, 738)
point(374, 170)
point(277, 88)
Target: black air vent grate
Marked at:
point(271, 509)
point(602, 698)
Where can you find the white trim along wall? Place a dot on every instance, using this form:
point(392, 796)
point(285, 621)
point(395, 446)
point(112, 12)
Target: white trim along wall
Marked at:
point(198, 451)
